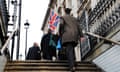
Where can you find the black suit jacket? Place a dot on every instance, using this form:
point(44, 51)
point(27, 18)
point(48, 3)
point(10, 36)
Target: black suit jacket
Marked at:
point(34, 53)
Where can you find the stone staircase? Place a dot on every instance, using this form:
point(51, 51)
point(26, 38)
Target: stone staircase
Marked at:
point(48, 66)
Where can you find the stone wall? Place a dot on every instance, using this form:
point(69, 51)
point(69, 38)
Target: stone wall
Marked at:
point(3, 61)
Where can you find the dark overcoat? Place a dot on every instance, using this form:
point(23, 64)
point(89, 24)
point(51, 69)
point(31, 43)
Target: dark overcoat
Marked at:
point(33, 53)
point(70, 29)
point(45, 46)
point(48, 51)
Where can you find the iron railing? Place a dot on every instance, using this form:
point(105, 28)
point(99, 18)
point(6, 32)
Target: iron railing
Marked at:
point(103, 38)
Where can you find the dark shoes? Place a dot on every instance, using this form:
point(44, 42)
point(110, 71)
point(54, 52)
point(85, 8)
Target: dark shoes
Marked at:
point(72, 69)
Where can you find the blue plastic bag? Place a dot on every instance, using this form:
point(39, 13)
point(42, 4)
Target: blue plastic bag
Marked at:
point(59, 44)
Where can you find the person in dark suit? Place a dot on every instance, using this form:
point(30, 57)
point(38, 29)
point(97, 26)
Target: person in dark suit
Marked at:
point(45, 49)
point(49, 50)
point(52, 45)
point(70, 33)
point(34, 52)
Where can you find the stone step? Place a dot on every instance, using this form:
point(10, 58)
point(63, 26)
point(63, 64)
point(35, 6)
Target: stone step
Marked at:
point(48, 66)
point(52, 71)
point(45, 61)
point(13, 68)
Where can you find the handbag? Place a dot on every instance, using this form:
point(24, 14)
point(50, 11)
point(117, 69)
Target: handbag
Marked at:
point(59, 44)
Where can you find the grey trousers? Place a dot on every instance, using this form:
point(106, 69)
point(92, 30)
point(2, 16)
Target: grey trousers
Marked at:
point(70, 54)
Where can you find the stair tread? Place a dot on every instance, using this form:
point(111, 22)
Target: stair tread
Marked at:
point(45, 61)
point(37, 67)
point(44, 64)
point(48, 66)
point(51, 71)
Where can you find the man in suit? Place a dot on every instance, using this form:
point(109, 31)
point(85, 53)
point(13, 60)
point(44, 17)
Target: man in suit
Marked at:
point(34, 53)
point(45, 46)
point(70, 33)
point(48, 45)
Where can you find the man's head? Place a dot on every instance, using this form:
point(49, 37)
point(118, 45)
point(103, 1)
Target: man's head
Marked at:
point(35, 44)
point(67, 10)
point(49, 31)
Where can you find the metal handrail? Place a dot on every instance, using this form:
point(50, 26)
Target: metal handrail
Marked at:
point(103, 38)
point(7, 41)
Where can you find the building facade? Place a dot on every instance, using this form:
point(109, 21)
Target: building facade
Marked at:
point(104, 20)
point(59, 5)
point(4, 18)
point(99, 17)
